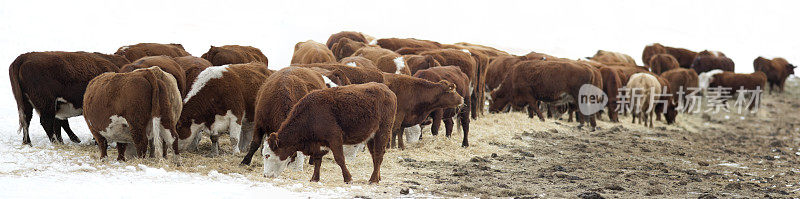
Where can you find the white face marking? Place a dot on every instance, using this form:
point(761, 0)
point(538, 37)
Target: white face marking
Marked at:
point(209, 73)
point(705, 79)
point(412, 133)
point(329, 82)
point(118, 130)
point(67, 110)
point(273, 166)
point(400, 63)
point(353, 64)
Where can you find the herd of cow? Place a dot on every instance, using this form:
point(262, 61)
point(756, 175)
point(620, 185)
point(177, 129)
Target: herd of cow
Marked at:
point(339, 97)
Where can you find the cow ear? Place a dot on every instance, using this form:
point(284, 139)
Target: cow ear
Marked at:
point(450, 86)
point(273, 141)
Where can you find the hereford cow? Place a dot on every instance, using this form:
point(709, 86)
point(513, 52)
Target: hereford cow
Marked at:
point(234, 54)
point(680, 79)
point(276, 96)
point(416, 99)
point(644, 85)
point(685, 57)
point(351, 35)
point(53, 83)
point(309, 52)
point(134, 52)
point(395, 43)
point(662, 62)
point(165, 63)
point(468, 65)
point(192, 66)
point(650, 50)
point(358, 61)
point(461, 81)
point(345, 47)
point(419, 62)
point(134, 108)
point(329, 119)
point(739, 82)
point(777, 70)
point(708, 60)
point(356, 75)
point(386, 60)
point(613, 58)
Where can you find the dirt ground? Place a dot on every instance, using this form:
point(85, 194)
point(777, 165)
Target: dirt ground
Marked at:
point(702, 156)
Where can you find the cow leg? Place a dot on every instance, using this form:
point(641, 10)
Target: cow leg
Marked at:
point(65, 124)
point(140, 140)
point(593, 122)
point(258, 137)
point(102, 145)
point(473, 99)
point(316, 160)
point(464, 120)
point(437, 122)
point(448, 127)
point(48, 121)
point(121, 151)
point(26, 114)
point(338, 155)
point(377, 148)
point(400, 139)
point(214, 144)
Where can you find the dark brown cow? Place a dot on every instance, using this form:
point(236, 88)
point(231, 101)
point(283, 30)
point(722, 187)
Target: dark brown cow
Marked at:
point(777, 70)
point(53, 83)
point(660, 63)
point(345, 47)
point(386, 60)
point(309, 52)
point(611, 58)
point(611, 84)
point(356, 75)
point(234, 54)
point(134, 52)
point(351, 35)
point(680, 79)
point(222, 99)
point(419, 62)
point(358, 61)
point(708, 60)
point(451, 74)
point(192, 66)
point(468, 65)
point(165, 63)
point(739, 81)
point(134, 107)
point(330, 119)
point(685, 57)
point(416, 99)
point(395, 43)
point(498, 70)
point(276, 96)
point(650, 50)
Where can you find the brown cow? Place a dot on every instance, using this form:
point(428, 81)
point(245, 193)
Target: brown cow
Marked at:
point(413, 50)
point(419, 62)
point(53, 83)
point(660, 63)
point(498, 70)
point(540, 56)
point(118, 60)
point(708, 60)
point(416, 99)
point(134, 52)
point(234, 54)
point(644, 85)
point(165, 63)
point(680, 79)
point(451, 74)
point(192, 66)
point(739, 82)
point(611, 84)
point(777, 70)
point(329, 119)
point(650, 50)
point(276, 96)
point(309, 52)
point(395, 43)
point(134, 107)
point(386, 60)
point(685, 57)
point(468, 65)
point(358, 61)
point(222, 99)
point(612, 58)
point(489, 51)
point(356, 75)
point(351, 35)
point(345, 47)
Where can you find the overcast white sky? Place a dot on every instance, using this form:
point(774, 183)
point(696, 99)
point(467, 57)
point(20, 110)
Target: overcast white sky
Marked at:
point(571, 29)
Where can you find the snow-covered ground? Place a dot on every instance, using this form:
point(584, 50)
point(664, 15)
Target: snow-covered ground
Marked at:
point(571, 29)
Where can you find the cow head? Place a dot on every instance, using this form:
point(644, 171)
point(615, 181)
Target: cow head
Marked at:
point(670, 115)
point(346, 47)
point(417, 62)
point(501, 97)
point(448, 97)
point(335, 78)
point(274, 162)
point(791, 68)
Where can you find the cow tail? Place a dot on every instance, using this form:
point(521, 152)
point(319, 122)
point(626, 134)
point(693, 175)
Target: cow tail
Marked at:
point(155, 112)
point(16, 88)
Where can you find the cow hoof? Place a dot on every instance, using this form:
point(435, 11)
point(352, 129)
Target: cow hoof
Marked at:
point(465, 145)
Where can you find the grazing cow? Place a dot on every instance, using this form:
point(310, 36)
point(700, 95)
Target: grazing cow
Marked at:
point(192, 66)
point(662, 62)
point(468, 65)
point(134, 52)
point(708, 60)
point(777, 70)
point(555, 82)
point(234, 54)
point(451, 74)
point(650, 50)
point(329, 119)
point(309, 52)
point(680, 79)
point(644, 85)
point(498, 70)
point(386, 60)
point(358, 61)
point(276, 96)
point(416, 99)
point(613, 58)
point(165, 63)
point(53, 83)
point(611, 84)
point(739, 82)
point(489, 51)
point(221, 99)
point(419, 62)
point(345, 47)
point(356, 75)
point(351, 35)
point(134, 107)
point(685, 57)
point(395, 43)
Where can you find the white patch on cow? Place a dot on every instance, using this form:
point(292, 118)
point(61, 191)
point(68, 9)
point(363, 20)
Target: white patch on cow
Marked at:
point(118, 130)
point(412, 134)
point(466, 51)
point(227, 123)
point(125, 48)
point(66, 109)
point(273, 165)
point(159, 134)
point(209, 73)
point(399, 63)
point(373, 42)
point(705, 79)
point(351, 151)
point(329, 82)
point(298, 162)
point(353, 64)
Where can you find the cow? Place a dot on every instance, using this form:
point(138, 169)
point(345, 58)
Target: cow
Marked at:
point(386, 60)
point(53, 83)
point(276, 96)
point(613, 58)
point(710, 60)
point(351, 35)
point(356, 75)
point(612, 82)
point(419, 62)
point(498, 70)
point(165, 63)
point(329, 119)
point(777, 70)
point(118, 60)
point(685, 57)
point(738, 82)
point(358, 61)
point(413, 50)
point(192, 66)
point(468, 65)
point(395, 43)
point(345, 47)
point(651, 50)
point(134, 108)
point(662, 62)
point(644, 85)
point(416, 99)
point(489, 51)
point(134, 52)
point(680, 79)
point(555, 82)
point(234, 54)
point(309, 52)
point(221, 99)
point(452, 74)
point(540, 56)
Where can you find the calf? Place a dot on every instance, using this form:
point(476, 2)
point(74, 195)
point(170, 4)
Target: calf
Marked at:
point(134, 52)
point(663, 62)
point(386, 60)
point(309, 52)
point(608, 57)
point(345, 47)
point(133, 107)
point(53, 83)
point(328, 119)
point(416, 99)
point(394, 43)
point(166, 64)
point(644, 85)
point(679, 79)
point(451, 74)
point(777, 70)
point(707, 61)
point(234, 54)
point(739, 82)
